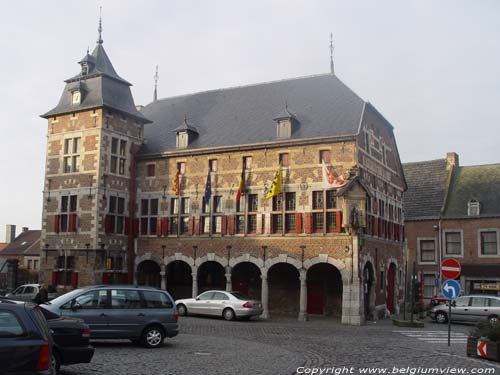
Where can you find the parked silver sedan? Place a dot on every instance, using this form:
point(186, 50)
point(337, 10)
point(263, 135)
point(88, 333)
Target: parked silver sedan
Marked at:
point(229, 305)
point(469, 309)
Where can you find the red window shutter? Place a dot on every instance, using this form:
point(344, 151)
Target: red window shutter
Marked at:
point(72, 223)
point(223, 225)
point(56, 223)
point(231, 224)
point(164, 226)
point(136, 227)
point(54, 278)
point(298, 222)
point(74, 279)
point(105, 278)
point(159, 221)
point(338, 221)
point(127, 225)
point(107, 224)
point(308, 223)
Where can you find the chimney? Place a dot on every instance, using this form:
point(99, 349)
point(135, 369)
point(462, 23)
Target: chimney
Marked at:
point(25, 229)
point(452, 160)
point(10, 233)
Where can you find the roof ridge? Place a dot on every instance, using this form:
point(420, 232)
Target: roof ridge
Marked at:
point(255, 84)
point(480, 165)
point(424, 161)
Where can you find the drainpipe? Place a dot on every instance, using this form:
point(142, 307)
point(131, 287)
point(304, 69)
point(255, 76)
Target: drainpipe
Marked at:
point(440, 259)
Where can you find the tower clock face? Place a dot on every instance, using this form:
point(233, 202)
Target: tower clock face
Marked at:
point(76, 97)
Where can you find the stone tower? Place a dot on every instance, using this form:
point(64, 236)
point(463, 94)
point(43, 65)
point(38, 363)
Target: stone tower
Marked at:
point(88, 209)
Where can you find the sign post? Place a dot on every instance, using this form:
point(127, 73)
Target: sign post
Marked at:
point(450, 269)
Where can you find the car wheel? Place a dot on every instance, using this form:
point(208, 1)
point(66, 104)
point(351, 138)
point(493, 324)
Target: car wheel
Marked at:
point(228, 314)
point(182, 310)
point(441, 317)
point(493, 319)
point(153, 337)
point(55, 363)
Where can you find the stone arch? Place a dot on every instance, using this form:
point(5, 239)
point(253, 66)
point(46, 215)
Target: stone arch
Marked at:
point(246, 258)
point(149, 273)
point(148, 256)
point(283, 258)
point(181, 257)
point(210, 257)
point(324, 258)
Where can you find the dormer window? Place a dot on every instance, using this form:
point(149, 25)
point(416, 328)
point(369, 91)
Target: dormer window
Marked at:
point(85, 69)
point(185, 134)
point(284, 124)
point(182, 139)
point(76, 97)
point(473, 207)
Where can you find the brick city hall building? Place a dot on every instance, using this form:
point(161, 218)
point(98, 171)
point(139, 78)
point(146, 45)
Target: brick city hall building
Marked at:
point(173, 194)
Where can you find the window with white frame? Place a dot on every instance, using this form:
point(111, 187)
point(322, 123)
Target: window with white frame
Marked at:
point(453, 242)
point(488, 242)
point(71, 155)
point(68, 208)
point(473, 208)
point(429, 280)
point(427, 250)
point(149, 216)
point(116, 214)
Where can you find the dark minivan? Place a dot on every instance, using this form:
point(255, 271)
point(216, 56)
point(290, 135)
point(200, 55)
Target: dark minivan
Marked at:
point(25, 340)
point(142, 314)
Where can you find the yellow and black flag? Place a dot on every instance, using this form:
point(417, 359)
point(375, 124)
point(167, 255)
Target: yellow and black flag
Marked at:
point(276, 185)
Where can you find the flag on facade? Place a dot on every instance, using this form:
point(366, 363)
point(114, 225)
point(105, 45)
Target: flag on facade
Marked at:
point(176, 183)
point(208, 189)
point(276, 185)
point(329, 179)
point(241, 184)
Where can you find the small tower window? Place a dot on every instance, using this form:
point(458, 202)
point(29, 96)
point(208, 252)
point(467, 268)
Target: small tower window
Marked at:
point(473, 208)
point(284, 128)
point(85, 69)
point(182, 140)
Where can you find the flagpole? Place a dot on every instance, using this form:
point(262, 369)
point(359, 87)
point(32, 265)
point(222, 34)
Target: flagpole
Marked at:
point(179, 206)
point(283, 198)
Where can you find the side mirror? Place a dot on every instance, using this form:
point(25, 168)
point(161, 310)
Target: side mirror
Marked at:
point(75, 306)
point(197, 298)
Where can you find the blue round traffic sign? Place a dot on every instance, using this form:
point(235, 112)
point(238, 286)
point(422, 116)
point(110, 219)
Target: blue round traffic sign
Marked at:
point(450, 289)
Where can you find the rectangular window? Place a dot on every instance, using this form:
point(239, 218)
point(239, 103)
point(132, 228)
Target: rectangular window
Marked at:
point(453, 243)
point(317, 202)
point(239, 225)
point(331, 199)
point(290, 201)
point(318, 223)
point(489, 242)
point(324, 217)
point(429, 285)
point(252, 203)
point(116, 214)
point(277, 223)
point(217, 200)
point(290, 223)
point(277, 203)
point(176, 226)
point(247, 162)
point(185, 206)
point(149, 216)
point(71, 159)
point(325, 156)
point(212, 164)
point(68, 208)
point(181, 167)
point(252, 223)
point(205, 224)
point(284, 160)
point(118, 156)
point(174, 206)
point(150, 170)
point(427, 250)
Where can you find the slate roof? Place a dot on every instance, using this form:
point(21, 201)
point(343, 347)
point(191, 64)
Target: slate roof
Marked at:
point(480, 182)
point(322, 106)
point(27, 243)
point(426, 182)
point(102, 86)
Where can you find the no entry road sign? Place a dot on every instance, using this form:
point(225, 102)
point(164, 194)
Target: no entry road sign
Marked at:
point(450, 268)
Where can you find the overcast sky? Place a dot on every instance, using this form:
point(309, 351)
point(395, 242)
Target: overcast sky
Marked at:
point(432, 68)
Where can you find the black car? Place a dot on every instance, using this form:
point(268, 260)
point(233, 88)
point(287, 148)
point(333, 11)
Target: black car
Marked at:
point(25, 340)
point(71, 338)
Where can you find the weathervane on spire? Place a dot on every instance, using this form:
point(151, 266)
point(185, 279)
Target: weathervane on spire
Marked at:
point(156, 77)
point(99, 29)
point(332, 71)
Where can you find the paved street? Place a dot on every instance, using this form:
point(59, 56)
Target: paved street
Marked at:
point(280, 346)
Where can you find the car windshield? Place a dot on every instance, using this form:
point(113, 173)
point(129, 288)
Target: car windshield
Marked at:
point(239, 296)
point(65, 297)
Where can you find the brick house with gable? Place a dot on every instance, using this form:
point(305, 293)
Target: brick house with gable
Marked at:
point(453, 211)
point(124, 193)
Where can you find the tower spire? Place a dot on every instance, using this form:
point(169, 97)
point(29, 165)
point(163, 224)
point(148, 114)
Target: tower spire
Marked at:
point(99, 29)
point(156, 77)
point(332, 70)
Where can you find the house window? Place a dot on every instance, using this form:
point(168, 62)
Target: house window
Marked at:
point(35, 264)
point(324, 218)
point(427, 250)
point(150, 170)
point(290, 212)
point(182, 140)
point(71, 155)
point(181, 167)
point(429, 280)
point(212, 164)
point(118, 156)
point(182, 226)
point(489, 242)
point(325, 156)
point(217, 214)
point(277, 215)
point(453, 243)
point(252, 213)
point(116, 214)
point(68, 210)
point(149, 216)
point(247, 162)
point(284, 159)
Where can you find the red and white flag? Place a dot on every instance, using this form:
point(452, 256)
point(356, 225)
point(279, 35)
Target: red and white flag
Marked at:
point(329, 179)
